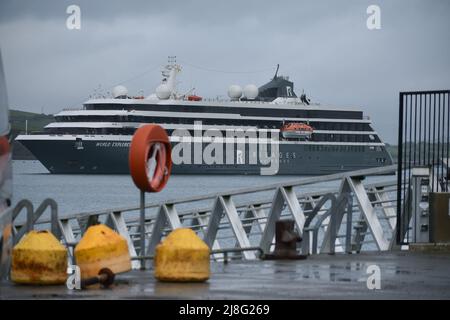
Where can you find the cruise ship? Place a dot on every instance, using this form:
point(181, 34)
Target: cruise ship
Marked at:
point(267, 130)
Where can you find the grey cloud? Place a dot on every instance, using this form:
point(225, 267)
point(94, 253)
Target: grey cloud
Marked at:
point(324, 46)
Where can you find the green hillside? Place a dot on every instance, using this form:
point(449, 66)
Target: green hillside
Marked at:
point(36, 121)
point(393, 150)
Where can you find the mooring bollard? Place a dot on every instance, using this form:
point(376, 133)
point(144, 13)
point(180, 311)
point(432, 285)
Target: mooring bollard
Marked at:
point(100, 248)
point(150, 163)
point(40, 259)
point(182, 257)
point(286, 240)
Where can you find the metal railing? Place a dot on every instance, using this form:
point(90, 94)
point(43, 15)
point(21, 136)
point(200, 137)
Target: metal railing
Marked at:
point(423, 141)
point(6, 242)
point(353, 216)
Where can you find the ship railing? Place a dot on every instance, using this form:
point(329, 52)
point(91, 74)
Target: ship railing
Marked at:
point(257, 102)
point(353, 216)
point(74, 109)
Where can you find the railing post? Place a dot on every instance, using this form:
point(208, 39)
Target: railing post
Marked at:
point(142, 224)
point(399, 168)
point(349, 212)
point(29, 222)
point(6, 242)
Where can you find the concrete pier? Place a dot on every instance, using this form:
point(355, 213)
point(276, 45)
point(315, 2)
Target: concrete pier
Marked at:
point(404, 275)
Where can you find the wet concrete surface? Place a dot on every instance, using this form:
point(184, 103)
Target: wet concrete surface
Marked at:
point(404, 275)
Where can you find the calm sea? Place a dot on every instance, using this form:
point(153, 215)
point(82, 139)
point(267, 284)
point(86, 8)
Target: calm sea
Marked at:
point(84, 193)
point(81, 193)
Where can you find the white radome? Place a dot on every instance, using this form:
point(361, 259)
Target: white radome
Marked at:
point(251, 91)
point(163, 92)
point(234, 91)
point(119, 91)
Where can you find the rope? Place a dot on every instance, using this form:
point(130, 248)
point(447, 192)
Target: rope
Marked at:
point(122, 82)
point(184, 63)
point(222, 71)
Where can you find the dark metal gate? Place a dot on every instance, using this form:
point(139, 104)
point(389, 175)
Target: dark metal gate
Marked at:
point(423, 142)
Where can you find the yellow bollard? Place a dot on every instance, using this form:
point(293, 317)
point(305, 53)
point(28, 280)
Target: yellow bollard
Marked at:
point(182, 257)
point(39, 258)
point(102, 247)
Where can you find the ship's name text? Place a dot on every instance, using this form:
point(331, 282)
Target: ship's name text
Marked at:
point(113, 144)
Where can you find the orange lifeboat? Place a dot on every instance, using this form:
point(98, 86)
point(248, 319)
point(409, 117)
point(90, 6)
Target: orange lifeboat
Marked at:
point(295, 130)
point(193, 97)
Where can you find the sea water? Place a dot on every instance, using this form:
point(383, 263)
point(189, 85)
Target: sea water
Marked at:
point(83, 193)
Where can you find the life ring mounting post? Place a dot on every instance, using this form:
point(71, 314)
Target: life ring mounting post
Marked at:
point(150, 164)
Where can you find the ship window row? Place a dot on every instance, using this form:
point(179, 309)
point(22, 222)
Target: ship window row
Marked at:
point(319, 137)
point(345, 137)
point(91, 131)
point(319, 148)
point(130, 131)
point(256, 112)
point(269, 124)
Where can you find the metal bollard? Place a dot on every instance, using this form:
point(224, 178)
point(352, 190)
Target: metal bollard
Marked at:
point(105, 277)
point(285, 242)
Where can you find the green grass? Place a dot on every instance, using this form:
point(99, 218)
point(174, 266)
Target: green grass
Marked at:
point(36, 121)
point(393, 150)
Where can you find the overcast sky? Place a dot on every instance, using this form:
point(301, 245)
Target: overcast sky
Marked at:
point(324, 46)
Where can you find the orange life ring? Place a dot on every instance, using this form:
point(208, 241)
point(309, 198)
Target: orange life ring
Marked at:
point(150, 143)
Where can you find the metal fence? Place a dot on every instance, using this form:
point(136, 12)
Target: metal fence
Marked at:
point(423, 142)
point(350, 215)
